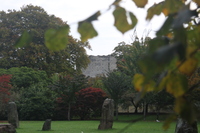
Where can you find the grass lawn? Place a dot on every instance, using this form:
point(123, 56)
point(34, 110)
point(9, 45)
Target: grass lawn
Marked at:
point(91, 127)
point(123, 125)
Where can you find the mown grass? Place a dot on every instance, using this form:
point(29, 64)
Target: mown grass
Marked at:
point(125, 124)
point(91, 127)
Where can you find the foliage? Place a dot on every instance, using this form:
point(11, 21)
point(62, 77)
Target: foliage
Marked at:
point(130, 98)
point(25, 77)
point(173, 57)
point(66, 88)
point(5, 88)
point(116, 84)
point(89, 102)
point(96, 82)
point(36, 102)
point(163, 100)
point(29, 26)
point(127, 55)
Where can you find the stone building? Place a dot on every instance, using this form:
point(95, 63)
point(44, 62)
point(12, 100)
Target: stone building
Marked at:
point(100, 65)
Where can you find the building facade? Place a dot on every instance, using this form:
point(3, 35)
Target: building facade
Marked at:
point(100, 65)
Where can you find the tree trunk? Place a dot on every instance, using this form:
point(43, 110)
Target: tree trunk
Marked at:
point(69, 110)
point(116, 110)
point(144, 110)
point(183, 126)
point(157, 113)
point(136, 109)
point(147, 105)
point(135, 105)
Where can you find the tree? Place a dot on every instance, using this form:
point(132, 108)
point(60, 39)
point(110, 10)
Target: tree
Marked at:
point(25, 77)
point(36, 102)
point(128, 55)
point(131, 98)
point(5, 88)
point(31, 23)
point(116, 84)
point(172, 58)
point(67, 86)
point(89, 102)
point(162, 100)
point(96, 82)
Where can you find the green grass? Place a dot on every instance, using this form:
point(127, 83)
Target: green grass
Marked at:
point(125, 124)
point(91, 127)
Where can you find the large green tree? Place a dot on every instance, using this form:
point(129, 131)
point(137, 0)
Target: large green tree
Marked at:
point(127, 55)
point(32, 23)
point(175, 60)
point(116, 84)
point(36, 102)
point(25, 77)
point(67, 86)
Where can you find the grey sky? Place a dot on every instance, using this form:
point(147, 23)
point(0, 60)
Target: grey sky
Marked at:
point(73, 11)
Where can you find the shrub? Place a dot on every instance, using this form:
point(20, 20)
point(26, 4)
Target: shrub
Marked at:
point(89, 102)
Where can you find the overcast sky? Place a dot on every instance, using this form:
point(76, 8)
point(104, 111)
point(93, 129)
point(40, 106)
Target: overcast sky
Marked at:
point(73, 11)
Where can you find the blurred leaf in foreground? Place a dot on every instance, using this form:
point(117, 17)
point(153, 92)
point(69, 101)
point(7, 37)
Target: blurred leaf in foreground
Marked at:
point(140, 3)
point(86, 30)
point(121, 19)
point(56, 39)
point(24, 40)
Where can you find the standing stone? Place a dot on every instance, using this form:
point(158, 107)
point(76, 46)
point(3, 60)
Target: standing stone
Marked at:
point(107, 115)
point(182, 126)
point(12, 114)
point(7, 128)
point(47, 125)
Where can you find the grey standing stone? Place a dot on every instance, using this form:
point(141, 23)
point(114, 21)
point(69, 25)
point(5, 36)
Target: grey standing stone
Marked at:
point(47, 125)
point(107, 115)
point(7, 128)
point(13, 114)
point(182, 126)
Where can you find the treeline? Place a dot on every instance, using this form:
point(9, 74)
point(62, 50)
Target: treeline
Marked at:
point(39, 97)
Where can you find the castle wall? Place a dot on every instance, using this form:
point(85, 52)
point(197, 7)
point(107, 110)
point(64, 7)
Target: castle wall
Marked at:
point(100, 65)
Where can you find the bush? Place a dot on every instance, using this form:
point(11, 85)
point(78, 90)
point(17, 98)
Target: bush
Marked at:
point(4, 93)
point(89, 102)
point(36, 103)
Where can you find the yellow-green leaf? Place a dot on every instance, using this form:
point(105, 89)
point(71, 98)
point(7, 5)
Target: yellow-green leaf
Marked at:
point(121, 20)
point(188, 66)
point(141, 84)
point(179, 105)
point(169, 120)
point(163, 82)
point(156, 9)
point(138, 81)
point(171, 6)
point(56, 39)
point(140, 3)
point(177, 84)
point(24, 40)
point(185, 109)
point(86, 30)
